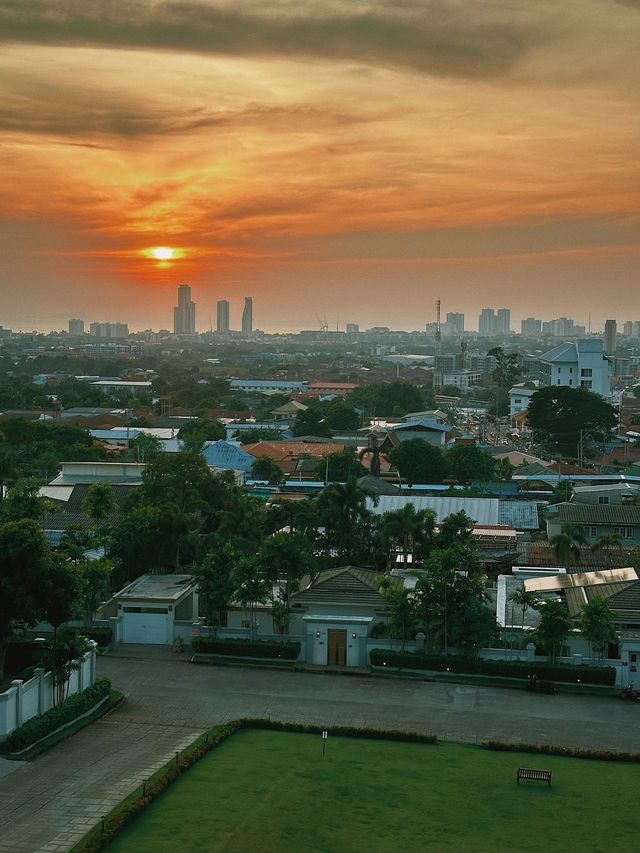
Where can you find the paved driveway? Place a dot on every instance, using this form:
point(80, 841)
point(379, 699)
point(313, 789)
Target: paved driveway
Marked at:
point(48, 804)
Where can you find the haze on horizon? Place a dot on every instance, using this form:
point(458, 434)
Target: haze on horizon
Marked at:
point(325, 156)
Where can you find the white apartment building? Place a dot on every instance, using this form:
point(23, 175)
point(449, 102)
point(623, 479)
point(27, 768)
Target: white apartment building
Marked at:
point(579, 364)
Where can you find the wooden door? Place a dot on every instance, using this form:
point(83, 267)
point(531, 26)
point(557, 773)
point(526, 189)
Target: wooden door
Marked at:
point(337, 647)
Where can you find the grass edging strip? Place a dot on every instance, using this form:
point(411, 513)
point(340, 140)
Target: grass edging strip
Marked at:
point(562, 751)
point(125, 812)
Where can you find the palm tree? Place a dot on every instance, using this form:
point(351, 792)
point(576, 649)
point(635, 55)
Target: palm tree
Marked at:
point(524, 600)
point(342, 509)
point(607, 542)
point(99, 502)
point(409, 529)
point(373, 450)
point(567, 543)
point(597, 625)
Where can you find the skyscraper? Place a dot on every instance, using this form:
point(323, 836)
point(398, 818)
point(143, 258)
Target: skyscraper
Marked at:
point(503, 321)
point(487, 322)
point(530, 327)
point(456, 321)
point(247, 314)
point(76, 327)
point(610, 336)
point(223, 316)
point(184, 314)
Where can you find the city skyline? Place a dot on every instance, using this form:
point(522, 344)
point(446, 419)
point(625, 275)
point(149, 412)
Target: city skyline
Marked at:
point(360, 159)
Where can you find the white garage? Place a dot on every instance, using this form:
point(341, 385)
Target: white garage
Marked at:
point(149, 607)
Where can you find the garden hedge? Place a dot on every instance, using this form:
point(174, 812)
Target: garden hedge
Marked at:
point(39, 727)
point(246, 648)
point(501, 668)
point(564, 751)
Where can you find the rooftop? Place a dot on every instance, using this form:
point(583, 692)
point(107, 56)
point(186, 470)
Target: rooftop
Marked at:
point(156, 587)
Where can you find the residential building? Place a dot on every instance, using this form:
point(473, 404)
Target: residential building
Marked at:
point(113, 386)
point(456, 321)
point(430, 431)
point(520, 396)
point(530, 328)
point(5, 334)
point(597, 520)
point(76, 327)
point(247, 315)
point(284, 386)
point(610, 336)
point(627, 329)
point(353, 328)
point(184, 314)
point(487, 322)
point(503, 321)
point(606, 494)
point(580, 364)
point(107, 330)
point(222, 325)
point(461, 378)
point(149, 608)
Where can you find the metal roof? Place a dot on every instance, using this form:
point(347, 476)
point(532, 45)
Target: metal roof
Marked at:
point(580, 579)
point(156, 587)
point(347, 585)
point(564, 353)
point(522, 515)
point(422, 425)
point(598, 513)
point(483, 511)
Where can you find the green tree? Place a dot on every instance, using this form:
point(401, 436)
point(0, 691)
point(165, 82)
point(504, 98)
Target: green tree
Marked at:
point(372, 450)
point(62, 658)
point(554, 627)
point(419, 462)
point(410, 530)
point(252, 436)
point(504, 375)
point(341, 416)
point(343, 512)
point(387, 399)
point(216, 582)
point(145, 447)
point(338, 467)
point(403, 616)
point(471, 463)
point(201, 430)
point(597, 626)
point(286, 557)
point(252, 587)
point(608, 542)
point(23, 501)
point(311, 422)
point(567, 544)
point(94, 586)
point(559, 415)
point(25, 563)
point(98, 503)
point(264, 468)
point(504, 469)
point(525, 600)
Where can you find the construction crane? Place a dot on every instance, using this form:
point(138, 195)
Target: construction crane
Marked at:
point(324, 326)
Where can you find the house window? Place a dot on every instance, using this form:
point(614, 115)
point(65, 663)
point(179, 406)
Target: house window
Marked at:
point(559, 369)
point(586, 384)
point(624, 532)
point(603, 499)
point(586, 371)
point(571, 382)
point(591, 530)
point(245, 623)
point(571, 370)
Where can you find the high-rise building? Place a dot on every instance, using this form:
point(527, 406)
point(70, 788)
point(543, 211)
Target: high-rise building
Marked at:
point(76, 327)
point(247, 314)
point(184, 313)
point(610, 336)
point(223, 316)
point(627, 329)
point(353, 328)
point(456, 321)
point(109, 330)
point(503, 321)
point(487, 322)
point(530, 328)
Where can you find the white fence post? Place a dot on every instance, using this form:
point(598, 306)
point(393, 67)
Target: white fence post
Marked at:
point(39, 674)
point(18, 695)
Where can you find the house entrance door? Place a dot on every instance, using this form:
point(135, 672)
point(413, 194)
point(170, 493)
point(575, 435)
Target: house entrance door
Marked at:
point(337, 647)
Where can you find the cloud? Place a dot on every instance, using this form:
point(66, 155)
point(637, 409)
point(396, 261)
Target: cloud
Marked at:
point(439, 37)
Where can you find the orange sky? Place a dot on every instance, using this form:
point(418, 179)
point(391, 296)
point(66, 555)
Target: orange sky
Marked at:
point(339, 157)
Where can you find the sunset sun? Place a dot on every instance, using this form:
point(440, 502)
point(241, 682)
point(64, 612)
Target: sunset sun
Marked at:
point(163, 253)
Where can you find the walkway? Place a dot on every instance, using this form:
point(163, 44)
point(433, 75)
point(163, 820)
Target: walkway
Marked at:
point(48, 804)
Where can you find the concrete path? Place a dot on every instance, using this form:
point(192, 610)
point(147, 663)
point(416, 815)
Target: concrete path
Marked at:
point(48, 804)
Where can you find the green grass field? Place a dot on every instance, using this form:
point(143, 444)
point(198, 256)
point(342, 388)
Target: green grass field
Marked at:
point(273, 792)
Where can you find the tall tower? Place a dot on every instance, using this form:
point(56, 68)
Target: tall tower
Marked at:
point(247, 314)
point(610, 336)
point(184, 314)
point(223, 316)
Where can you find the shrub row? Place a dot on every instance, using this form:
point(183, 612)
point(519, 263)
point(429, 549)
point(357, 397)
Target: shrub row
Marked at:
point(130, 810)
point(246, 648)
point(73, 707)
point(504, 669)
point(564, 751)
point(340, 731)
point(102, 636)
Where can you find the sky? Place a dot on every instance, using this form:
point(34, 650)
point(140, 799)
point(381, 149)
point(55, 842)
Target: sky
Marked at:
point(348, 159)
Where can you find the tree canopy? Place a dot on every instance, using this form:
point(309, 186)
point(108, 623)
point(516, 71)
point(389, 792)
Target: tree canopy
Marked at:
point(419, 462)
point(558, 414)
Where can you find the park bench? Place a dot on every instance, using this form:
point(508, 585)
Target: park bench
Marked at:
point(540, 775)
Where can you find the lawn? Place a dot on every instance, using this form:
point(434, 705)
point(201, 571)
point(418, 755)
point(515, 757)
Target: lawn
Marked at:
point(273, 791)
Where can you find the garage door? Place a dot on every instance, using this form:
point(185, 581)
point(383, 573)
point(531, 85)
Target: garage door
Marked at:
point(147, 627)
